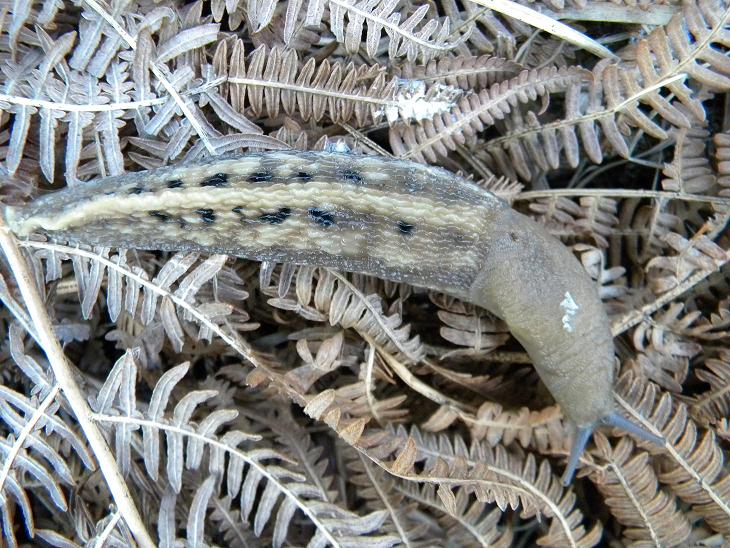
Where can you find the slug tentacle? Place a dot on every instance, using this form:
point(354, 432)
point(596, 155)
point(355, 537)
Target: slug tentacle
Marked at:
point(614, 419)
point(583, 435)
point(395, 219)
point(580, 440)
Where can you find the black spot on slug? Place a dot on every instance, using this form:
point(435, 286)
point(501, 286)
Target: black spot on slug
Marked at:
point(136, 190)
point(177, 183)
point(320, 217)
point(405, 228)
point(207, 215)
point(260, 177)
point(238, 210)
point(217, 180)
point(352, 176)
point(164, 217)
point(276, 218)
point(513, 236)
point(302, 176)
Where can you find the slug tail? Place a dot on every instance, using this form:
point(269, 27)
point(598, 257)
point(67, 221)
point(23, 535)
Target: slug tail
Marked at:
point(583, 434)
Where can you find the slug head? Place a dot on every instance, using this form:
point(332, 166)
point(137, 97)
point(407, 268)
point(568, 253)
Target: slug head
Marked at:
point(584, 433)
point(551, 305)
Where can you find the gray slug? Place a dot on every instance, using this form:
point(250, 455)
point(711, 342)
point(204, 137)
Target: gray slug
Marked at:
point(395, 219)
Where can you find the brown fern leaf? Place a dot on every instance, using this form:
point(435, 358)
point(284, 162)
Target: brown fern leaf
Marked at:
point(598, 218)
point(717, 326)
point(631, 490)
point(592, 220)
point(667, 371)
point(541, 51)
point(665, 347)
point(722, 156)
point(417, 36)
point(611, 281)
point(714, 404)
point(692, 255)
point(235, 11)
point(495, 476)
point(542, 430)
point(380, 493)
point(323, 294)
point(474, 113)
point(646, 224)
point(469, 73)
point(668, 332)
point(692, 43)
point(462, 520)
point(690, 171)
point(558, 213)
point(491, 475)
point(693, 467)
point(270, 80)
point(471, 328)
point(490, 32)
point(504, 187)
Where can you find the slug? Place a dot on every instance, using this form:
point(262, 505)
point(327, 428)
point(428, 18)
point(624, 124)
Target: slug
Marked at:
point(394, 219)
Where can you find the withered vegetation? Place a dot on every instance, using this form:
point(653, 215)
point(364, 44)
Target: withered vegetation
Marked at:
point(251, 404)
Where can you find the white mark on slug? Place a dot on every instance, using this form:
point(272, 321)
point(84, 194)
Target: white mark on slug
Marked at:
point(571, 308)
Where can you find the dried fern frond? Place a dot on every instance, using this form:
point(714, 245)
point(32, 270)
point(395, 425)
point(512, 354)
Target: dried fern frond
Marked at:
point(631, 489)
point(495, 476)
point(697, 253)
point(686, 46)
point(490, 32)
point(462, 521)
point(690, 171)
point(270, 79)
point(33, 463)
point(467, 73)
point(532, 429)
point(322, 294)
point(414, 37)
point(646, 226)
point(470, 328)
point(694, 467)
point(713, 404)
point(492, 475)
point(477, 111)
point(232, 454)
point(311, 413)
point(380, 492)
point(131, 290)
point(722, 156)
point(667, 342)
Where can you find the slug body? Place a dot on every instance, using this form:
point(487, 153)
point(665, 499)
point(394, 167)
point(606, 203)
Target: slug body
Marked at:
point(395, 219)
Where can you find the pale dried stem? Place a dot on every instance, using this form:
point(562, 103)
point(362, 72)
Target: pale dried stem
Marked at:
point(75, 397)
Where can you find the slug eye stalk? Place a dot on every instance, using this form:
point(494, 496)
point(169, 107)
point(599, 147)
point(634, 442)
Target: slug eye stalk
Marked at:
point(583, 434)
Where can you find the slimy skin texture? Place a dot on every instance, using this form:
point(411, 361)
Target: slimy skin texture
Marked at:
point(394, 219)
